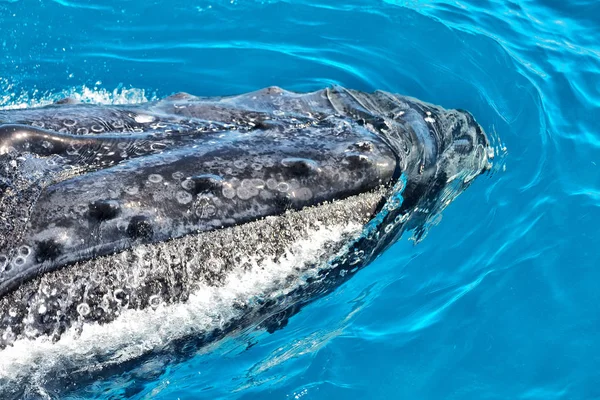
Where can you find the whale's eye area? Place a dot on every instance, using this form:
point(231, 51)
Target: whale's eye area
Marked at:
point(355, 160)
point(203, 183)
point(300, 166)
point(364, 147)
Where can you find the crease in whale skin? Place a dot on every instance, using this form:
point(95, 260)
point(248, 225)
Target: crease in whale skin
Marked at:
point(105, 209)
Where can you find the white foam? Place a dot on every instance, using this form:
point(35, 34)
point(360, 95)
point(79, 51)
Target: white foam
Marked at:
point(136, 332)
point(11, 99)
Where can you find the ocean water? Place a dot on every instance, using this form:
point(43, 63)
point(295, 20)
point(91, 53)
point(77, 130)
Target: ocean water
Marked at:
point(500, 301)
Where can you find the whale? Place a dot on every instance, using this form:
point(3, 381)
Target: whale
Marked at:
point(199, 216)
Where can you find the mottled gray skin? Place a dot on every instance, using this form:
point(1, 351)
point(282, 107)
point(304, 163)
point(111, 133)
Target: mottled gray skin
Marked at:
point(83, 186)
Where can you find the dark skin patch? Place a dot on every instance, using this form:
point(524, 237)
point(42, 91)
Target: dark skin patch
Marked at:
point(104, 210)
point(48, 250)
point(140, 227)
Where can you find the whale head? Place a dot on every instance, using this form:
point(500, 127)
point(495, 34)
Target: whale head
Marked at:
point(105, 209)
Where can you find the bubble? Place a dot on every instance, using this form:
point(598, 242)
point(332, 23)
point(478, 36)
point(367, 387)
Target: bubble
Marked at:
point(154, 301)
point(271, 184)
point(83, 131)
point(132, 190)
point(83, 309)
point(304, 194)
point(206, 211)
point(19, 261)
point(401, 218)
point(213, 265)
point(183, 197)
point(283, 187)
point(178, 175)
point(240, 164)
point(24, 251)
point(121, 276)
point(228, 192)
point(244, 193)
point(252, 185)
point(187, 184)
point(155, 178)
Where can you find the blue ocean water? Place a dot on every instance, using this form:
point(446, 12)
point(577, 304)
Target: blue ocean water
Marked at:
point(500, 301)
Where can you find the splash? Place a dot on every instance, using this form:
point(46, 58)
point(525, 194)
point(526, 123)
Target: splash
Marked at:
point(15, 98)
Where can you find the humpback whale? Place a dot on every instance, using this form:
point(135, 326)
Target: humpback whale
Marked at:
point(245, 207)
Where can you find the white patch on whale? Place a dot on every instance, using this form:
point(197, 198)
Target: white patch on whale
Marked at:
point(135, 332)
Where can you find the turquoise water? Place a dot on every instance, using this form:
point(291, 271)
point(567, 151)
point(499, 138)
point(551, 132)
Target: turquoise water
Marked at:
point(500, 301)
